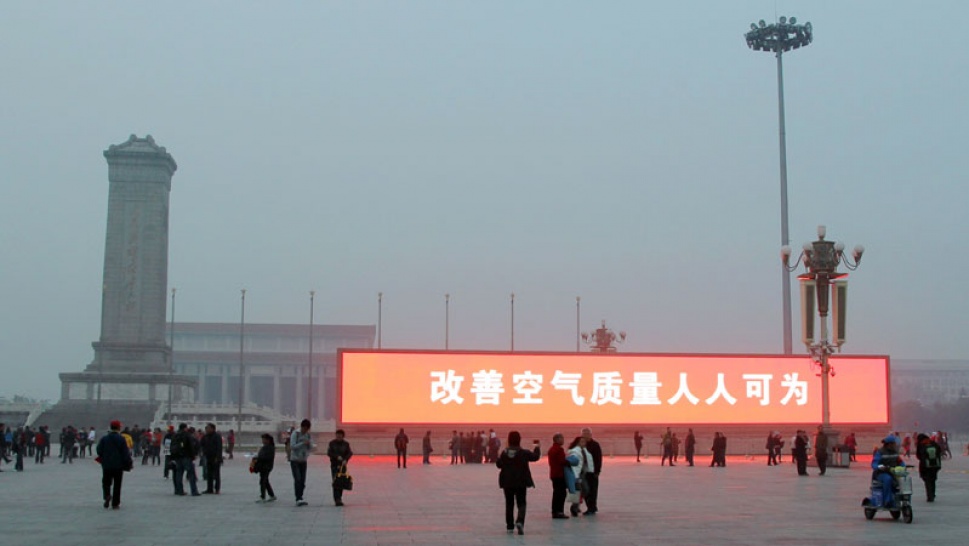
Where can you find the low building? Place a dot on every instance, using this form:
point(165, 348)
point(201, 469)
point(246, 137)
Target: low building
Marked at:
point(929, 381)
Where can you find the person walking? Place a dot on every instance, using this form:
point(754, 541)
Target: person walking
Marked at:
point(771, 449)
point(455, 445)
point(929, 453)
point(667, 445)
point(230, 441)
point(339, 453)
point(400, 444)
point(515, 477)
point(115, 459)
point(556, 473)
point(800, 452)
point(821, 449)
point(262, 464)
point(211, 444)
point(300, 444)
point(426, 448)
point(638, 443)
point(581, 461)
point(689, 446)
point(591, 479)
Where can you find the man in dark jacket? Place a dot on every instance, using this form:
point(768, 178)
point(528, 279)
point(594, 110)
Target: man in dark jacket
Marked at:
point(821, 449)
point(592, 479)
point(211, 445)
point(339, 453)
point(115, 458)
point(515, 478)
point(929, 454)
point(184, 451)
point(800, 452)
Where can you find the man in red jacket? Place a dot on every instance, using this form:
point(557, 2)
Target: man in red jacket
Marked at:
point(556, 471)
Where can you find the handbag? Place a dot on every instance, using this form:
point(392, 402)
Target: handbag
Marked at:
point(342, 480)
point(574, 498)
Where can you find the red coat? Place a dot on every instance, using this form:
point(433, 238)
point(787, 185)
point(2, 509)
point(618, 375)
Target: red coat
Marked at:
point(556, 461)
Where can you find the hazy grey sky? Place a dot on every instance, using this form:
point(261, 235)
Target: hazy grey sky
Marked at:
point(625, 152)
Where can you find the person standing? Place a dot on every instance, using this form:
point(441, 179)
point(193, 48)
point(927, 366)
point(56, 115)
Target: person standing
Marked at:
point(556, 473)
point(592, 479)
point(929, 453)
point(689, 446)
point(167, 447)
point(339, 453)
point(852, 444)
point(230, 441)
point(821, 449)
point(300, 444)
point(667, 445)
point(115, 459)
point(184, 453)
point(514, 478)
point(211, 444)
point(263, 465)
point(92, 436)
point(426, 448)
point(40, 447)
point(400, 444)
point(638, 443)
point(800, 452)
point(455, 446)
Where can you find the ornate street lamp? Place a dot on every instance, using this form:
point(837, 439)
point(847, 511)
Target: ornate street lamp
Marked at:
point(603, 339)
point(821, 259)
point(777, 38)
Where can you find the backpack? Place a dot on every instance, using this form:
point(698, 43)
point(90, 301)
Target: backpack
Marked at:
point(932, 457)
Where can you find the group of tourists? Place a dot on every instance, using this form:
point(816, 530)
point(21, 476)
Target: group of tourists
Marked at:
point(24, 442)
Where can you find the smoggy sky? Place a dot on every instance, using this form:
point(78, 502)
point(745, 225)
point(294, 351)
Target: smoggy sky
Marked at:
point(624, 152)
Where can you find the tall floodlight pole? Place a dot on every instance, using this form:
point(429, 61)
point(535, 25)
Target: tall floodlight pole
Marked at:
point(309, 364)
point(512, 322)
point(577, 333)
point(242, 374)
point(777, 38)
point(447, 321)
point(380, 308)
point(171, 358)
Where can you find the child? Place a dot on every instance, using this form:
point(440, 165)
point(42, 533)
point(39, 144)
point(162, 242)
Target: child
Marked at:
point(263, 465)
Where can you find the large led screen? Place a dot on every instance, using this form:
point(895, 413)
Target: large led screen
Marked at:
point(382, 387)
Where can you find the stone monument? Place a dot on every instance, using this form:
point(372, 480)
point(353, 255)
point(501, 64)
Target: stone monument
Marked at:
point(132, 370)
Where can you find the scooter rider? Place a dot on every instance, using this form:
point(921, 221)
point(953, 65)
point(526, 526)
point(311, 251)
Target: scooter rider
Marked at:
point(884, 460)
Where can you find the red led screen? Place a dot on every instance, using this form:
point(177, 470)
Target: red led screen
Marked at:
point(548, 388)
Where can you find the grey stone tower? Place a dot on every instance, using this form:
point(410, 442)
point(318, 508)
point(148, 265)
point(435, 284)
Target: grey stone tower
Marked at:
point(132, 370)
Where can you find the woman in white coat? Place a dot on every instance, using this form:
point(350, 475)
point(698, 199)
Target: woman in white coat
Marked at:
point(578, 452)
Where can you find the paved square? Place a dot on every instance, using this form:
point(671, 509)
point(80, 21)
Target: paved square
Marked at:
point(640, 503)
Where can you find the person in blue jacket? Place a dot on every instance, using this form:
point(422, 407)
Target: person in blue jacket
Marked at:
point(884, 459)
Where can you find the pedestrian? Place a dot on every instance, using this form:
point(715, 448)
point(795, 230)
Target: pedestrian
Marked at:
point(400, 445)
point(39, 447)
point(455, 446)
point(667, 444)
point(211, 444)
point(582, 467)
point(92, 436)
point(300, 444)
point(184, 451)
point(778, 446)
point(852, 444)
point(771, 449)
point(713, 449)
point(426, 448)
point(800, 452)
point(821, 449)
point(339, 453)
point(690, 446)
point(514, 478)
point(929, 453)
point(638, 442)
point(556, 473)
point(592, 478)
point(230, 443)
point(262, 464)
point(167, 447)
point(115, 459)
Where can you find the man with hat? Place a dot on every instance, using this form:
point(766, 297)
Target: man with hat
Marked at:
point(115, 459)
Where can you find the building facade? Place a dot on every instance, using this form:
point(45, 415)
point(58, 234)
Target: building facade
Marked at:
point(274, 360)
point(929, 381)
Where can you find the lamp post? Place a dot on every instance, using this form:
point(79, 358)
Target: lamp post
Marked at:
point(447, 321)
point(380, 308)
point(309, 364)
point(512, 322)
point(242, 378)
point(577, 333)
point(603, 339)
point(777, 38)
point(171, 357)
point(821, 259)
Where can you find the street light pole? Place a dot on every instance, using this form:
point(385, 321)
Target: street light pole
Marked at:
point(309, 364)
point(447, 321)
point(380, 307)
point(512, 322)
point(778, 38)
point(577, 333)
point(242, 374)
point(821, 258)
point(171, 358)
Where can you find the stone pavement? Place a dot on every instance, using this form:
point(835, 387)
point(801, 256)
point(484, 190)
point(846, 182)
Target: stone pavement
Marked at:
point(640, 503)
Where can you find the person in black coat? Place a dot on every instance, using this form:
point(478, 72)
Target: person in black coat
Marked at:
point(929, 454)
point(211, 445)
point(262, 464)
point(800, 452)
point(115, 459)
point(515, 478)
